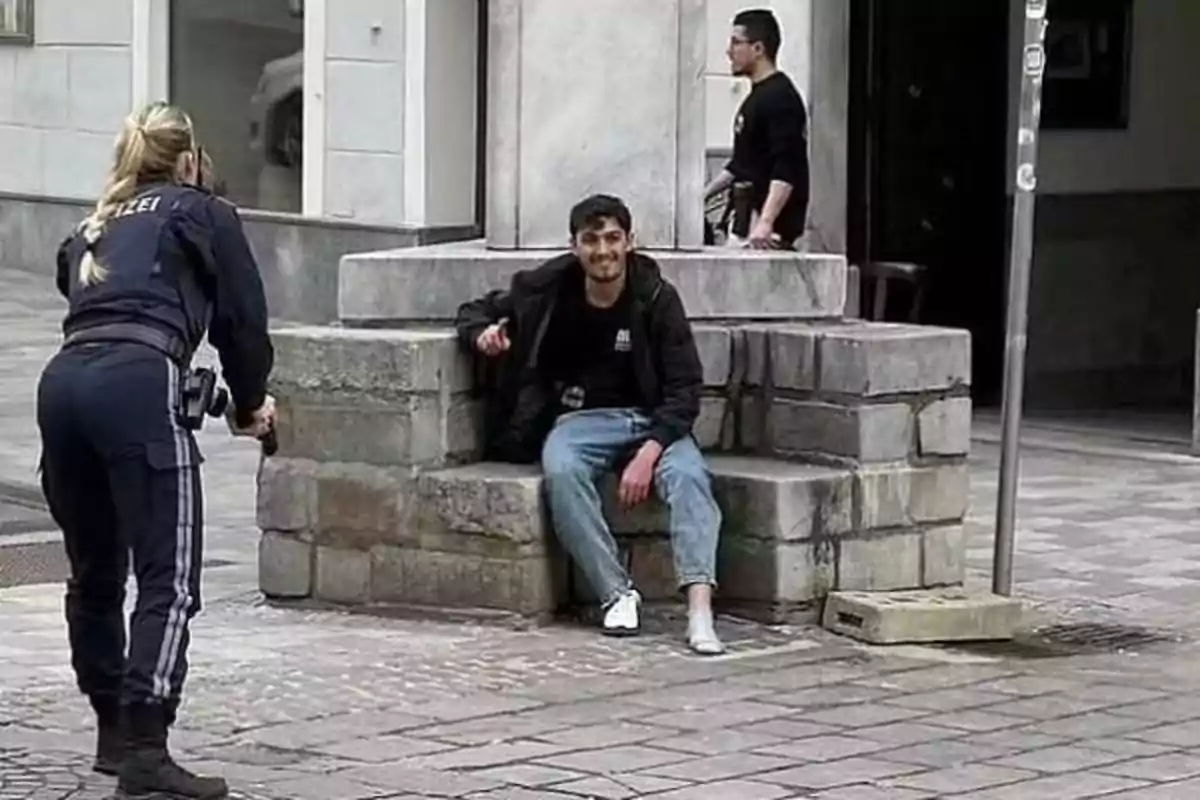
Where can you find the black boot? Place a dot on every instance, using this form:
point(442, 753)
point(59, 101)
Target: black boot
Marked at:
point(148, 771)
point(110, 738)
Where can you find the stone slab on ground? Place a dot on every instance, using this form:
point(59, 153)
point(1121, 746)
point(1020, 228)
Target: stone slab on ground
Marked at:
point(942, 615)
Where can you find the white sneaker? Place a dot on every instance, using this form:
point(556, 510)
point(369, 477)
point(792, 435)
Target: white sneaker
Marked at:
point(621, 618)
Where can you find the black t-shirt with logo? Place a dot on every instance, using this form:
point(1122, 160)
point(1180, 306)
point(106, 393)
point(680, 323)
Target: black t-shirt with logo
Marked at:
point(586, 355)
point(770, 142)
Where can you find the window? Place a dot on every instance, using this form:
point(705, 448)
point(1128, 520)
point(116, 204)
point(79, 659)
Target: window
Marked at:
point(16, 21)
point(237, 66)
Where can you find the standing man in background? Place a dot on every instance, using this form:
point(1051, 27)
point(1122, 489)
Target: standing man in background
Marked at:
point(770, 136)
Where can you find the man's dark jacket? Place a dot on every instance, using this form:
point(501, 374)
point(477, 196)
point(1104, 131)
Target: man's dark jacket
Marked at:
point(520, 408)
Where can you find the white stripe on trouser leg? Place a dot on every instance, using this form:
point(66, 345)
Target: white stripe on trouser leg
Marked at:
point(168, 654)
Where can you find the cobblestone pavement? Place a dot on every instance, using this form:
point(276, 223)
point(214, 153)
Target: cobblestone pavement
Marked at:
point(310, 704)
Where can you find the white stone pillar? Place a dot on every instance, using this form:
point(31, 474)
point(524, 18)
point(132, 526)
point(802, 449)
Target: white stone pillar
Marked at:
point(595, 97)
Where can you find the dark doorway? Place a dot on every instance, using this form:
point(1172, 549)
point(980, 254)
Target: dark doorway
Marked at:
point(927, 160)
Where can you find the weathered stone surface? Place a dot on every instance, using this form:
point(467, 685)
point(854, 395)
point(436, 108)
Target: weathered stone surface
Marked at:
point(880, 563)
point(359, 506)
point(760, 571)
point(386, 363)
point(284, 565)
point(871, 359)
point(714, 427)
point(944, 427)
point(342, 576)
point(714, 343)
point(409, 430)
point(781, 501)
point(865, 433)
point(286, 494)
point(944, 558)
point(945, 615)
point(790, 349)
point(501, 501)
point(527, 586)
point(898, 495)
point(429, 283)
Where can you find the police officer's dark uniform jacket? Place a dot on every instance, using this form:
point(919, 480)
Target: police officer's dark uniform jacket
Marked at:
point(120, 471)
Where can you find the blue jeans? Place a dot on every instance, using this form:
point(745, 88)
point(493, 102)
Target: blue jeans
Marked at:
point(581, 448)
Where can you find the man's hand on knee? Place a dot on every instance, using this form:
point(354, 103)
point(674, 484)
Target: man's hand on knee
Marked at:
point(638, 477)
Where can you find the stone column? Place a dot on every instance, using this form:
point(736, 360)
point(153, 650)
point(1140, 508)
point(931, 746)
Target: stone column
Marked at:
point(595, 97)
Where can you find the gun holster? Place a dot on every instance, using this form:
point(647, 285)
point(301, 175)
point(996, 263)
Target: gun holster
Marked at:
point(200, 396)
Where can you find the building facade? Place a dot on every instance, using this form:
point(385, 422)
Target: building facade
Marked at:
point(361, 124)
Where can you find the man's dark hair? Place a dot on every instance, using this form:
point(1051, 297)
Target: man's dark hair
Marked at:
point(591, 212)
point(761, 26)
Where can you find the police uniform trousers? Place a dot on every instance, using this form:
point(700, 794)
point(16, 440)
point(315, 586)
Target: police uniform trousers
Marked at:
point(122, 478)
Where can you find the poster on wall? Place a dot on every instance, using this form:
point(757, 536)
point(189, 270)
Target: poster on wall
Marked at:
point(16, 21)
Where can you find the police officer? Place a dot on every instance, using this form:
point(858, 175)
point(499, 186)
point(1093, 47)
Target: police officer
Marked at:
point(157, 259)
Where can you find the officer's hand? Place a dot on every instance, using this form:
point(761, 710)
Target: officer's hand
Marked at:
point(264, 421)
point(494, 339)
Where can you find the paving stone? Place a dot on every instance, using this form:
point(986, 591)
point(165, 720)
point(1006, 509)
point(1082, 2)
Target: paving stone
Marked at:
point(1069, 758)
point(1097, 723)
point(529, 775)
point(862, 715)
point(964, 778)
point(869, 792)
point(974, 720)
point(823, 748)
point(1060, 787)
point(403, 779)
point(607, 735)
point(631, 758)
point(488, 755)
point(381, 748)
point(1186, 734)
point(788, 728)
point(733, 713)
point(721, 767)
point(838, 773)
point(726, 740)
point(619, 787)
point(901, 733)
point(949, 699)
point(943, 754)
point(722, 790)
point(1168, 767)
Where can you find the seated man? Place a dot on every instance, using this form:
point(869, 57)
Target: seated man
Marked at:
point(596, 368)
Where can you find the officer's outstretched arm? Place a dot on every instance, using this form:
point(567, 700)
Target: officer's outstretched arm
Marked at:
point(239, 329)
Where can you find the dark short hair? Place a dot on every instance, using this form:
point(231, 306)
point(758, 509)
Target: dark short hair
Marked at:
point(591, 212)
point(761, 26)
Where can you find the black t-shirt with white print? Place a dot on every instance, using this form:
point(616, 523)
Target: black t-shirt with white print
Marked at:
point(586, 355)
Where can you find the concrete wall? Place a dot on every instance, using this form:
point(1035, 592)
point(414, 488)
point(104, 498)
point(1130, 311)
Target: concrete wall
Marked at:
point(297, 257)
point(1114, 289)
point(62, 99)
point(393, 111)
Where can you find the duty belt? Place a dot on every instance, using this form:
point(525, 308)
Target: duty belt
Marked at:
point(171, 346)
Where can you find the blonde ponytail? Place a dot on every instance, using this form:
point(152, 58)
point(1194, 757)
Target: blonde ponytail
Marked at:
point(148, 148)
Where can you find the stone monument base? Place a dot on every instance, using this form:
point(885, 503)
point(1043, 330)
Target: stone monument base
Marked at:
point(838, 450)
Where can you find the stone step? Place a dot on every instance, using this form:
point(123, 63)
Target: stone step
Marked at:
point(427, 284)
point(478, 536)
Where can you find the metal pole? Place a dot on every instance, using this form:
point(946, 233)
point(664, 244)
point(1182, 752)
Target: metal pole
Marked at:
point(1033, 65)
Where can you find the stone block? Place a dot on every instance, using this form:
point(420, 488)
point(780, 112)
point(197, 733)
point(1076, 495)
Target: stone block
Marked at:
point(342, 576)
point(284, 565)
point(878, 563)
point(286, 494)
point(898, 495)
point(790, 350)
point(944, 427)
point(713, 428)
point(873, 359)
point(492, 501)
point(946, 615)
point(714, 343)
point(409, 430)
point(769, 573)
point(427, 284)
point(944, 556)
point(864, 433)
point(781, 501)
point(527, 586)
point(382, 363)
point(359, 505)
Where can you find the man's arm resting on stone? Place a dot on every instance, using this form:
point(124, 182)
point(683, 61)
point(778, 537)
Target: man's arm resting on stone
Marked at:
point(680, 372)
